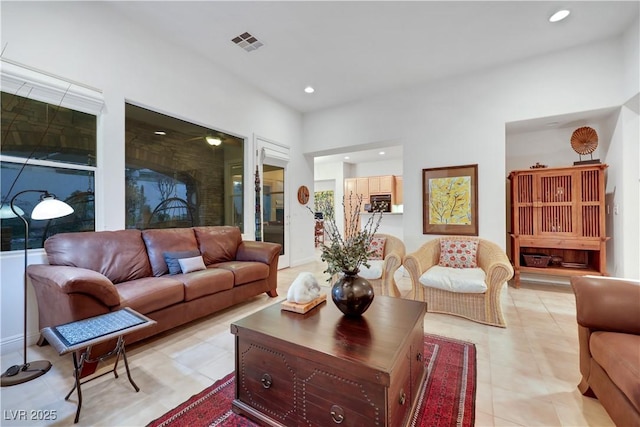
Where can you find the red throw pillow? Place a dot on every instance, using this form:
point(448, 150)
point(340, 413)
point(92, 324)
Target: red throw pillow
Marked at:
point(459, 253)
point(376, 248)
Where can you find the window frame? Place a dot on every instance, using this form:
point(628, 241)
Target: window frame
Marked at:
point(28, 82)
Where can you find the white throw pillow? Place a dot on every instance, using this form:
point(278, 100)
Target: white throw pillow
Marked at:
point(187, 265)
point(463, 280)
point(374, 271)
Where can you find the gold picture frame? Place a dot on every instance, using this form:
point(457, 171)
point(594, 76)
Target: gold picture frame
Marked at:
point(450, 200)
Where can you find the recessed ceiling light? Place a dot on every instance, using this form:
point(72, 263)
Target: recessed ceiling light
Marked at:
point(309, 89)
point(381, 153)
point(559, 15)
point(347, 157)
point(160, 132)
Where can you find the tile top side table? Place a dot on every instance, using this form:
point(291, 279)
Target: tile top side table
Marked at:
point(83, 334)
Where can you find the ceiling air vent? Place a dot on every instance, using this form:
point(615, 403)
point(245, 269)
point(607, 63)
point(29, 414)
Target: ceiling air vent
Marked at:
point(247, 42)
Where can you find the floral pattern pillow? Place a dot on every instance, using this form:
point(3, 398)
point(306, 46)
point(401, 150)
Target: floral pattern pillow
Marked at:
point(376, 248)
point(459, 253)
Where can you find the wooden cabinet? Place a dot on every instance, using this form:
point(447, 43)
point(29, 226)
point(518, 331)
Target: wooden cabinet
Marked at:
point(559, 214)
point(362, 187)
point(367, 186)
point(399, 192)
point(381, 184)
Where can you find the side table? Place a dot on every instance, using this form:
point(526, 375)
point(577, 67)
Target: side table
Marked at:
point(83, 334)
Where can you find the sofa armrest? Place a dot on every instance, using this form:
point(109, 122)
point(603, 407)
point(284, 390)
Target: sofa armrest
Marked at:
point(69, 280)
point(264, 252)
point(607, 304)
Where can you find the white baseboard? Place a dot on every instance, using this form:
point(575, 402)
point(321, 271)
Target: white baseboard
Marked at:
point(14, 343)
point(302, 261)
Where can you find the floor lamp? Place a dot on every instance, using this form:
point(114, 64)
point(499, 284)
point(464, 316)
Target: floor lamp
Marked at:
point(48, 208)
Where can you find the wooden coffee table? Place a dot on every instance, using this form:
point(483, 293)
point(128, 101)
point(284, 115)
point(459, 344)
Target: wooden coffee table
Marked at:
point(322, 368)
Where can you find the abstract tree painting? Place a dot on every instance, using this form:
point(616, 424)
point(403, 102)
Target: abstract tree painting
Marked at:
point(450, 200)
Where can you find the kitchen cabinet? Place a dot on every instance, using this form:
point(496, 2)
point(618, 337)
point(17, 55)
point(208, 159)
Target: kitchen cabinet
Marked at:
point(381, 184)
point(398, 190)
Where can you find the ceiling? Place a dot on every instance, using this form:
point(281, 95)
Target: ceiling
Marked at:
point(363, 156)
point(350, 50)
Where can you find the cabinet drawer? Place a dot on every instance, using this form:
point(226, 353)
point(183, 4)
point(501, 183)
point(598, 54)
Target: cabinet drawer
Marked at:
point(266, 380)
point(328, 398)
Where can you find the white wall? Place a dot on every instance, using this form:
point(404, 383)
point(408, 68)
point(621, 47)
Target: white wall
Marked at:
point(84, 42)
point(623, 197)
point(461, 120)
point(382, 167)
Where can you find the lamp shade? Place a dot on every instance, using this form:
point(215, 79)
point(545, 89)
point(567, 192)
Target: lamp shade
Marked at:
point(7, 213)
point(50, 207)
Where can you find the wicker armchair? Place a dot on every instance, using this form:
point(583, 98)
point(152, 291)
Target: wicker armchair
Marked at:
point(394, 252)
point(480, 307)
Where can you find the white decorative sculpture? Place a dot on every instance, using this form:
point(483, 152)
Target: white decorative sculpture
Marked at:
point(305, 288)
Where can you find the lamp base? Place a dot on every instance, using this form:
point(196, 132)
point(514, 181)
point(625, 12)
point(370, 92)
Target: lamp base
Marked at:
point(28, 372)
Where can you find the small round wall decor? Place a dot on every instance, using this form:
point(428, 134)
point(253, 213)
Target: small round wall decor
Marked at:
point(584, 140)
point(303, 194)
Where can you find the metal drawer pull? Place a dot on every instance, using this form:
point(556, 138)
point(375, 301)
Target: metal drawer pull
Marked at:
point(337, 414)
point(266, 381)
point(419, 357)
point(403, 397)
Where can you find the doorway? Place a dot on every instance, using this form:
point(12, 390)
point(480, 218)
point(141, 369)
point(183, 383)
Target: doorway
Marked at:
point(274, 201)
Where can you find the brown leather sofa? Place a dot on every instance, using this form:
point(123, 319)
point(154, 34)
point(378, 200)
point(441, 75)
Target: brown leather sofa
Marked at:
point(97, 272)
point(608, 314)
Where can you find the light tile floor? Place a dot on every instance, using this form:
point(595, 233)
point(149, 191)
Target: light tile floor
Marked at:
point(527, 373)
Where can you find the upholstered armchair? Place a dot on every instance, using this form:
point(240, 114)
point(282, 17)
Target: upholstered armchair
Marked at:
point(608, 317)
point(481, 303)
point(380, 273)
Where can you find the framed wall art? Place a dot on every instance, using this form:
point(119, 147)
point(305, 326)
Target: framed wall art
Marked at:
point(450, 200)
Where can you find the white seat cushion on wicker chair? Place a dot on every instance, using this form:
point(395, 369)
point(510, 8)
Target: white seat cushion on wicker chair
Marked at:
point(374, 271)
point(463, 280)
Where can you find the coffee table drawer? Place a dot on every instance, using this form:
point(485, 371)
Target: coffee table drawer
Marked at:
point(417, 360)
point(329, 397)
point(400, 396)
point(266, 380)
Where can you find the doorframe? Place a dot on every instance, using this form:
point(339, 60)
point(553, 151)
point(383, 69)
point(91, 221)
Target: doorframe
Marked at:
point(276, 154)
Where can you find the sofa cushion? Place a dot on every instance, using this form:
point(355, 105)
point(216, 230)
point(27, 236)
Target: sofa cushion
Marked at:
point(188, 265)
point(464, 280)
point(619, 355)
point(218, 243)
point(245, 271)
point(150, 293)
point(172, 259)
point(459, 252)
point(159, 241)
point(119, 255)
point(205, 282)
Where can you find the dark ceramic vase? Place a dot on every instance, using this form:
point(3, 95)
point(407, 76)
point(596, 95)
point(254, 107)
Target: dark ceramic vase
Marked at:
point(352, 294)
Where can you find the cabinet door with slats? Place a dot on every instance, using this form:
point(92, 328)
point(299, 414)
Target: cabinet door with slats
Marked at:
point(555, 198)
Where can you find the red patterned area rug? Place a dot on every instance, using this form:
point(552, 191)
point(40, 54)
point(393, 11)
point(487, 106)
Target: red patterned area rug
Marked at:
point(447, 397)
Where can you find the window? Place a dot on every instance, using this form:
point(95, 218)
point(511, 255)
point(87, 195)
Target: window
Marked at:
point(45, 147)
point(179, 174)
